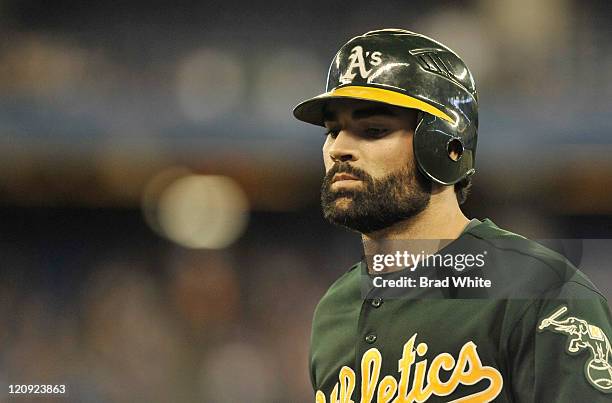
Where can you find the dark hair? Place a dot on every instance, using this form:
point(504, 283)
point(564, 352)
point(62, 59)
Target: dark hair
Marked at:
point(462, 189)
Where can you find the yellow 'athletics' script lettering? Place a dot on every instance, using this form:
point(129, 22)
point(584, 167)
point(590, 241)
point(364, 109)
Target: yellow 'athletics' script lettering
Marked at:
point(466, 370)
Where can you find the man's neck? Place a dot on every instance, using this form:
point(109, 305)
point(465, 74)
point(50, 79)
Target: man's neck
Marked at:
point(441, 221)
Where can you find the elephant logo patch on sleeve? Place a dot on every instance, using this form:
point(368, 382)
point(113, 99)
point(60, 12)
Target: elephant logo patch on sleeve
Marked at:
point(584, 336)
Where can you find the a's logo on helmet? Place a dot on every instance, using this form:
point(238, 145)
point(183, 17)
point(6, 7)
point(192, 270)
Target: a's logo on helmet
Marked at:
point(584, 336)
point(357, 60)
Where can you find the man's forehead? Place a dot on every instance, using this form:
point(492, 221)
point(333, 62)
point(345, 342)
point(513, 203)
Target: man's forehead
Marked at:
point(358, 109)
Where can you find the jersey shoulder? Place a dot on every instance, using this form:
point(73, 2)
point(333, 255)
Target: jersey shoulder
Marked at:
point(346, 288)
point(526, 263)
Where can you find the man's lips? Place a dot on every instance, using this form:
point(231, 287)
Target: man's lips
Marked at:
point(344, 177)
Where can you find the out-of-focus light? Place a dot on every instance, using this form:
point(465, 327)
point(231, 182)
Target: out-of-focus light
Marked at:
point(202, 211)
point(209, 83)
point(465, 34)
point(286, 78)
point(43, 67)
point(529, 27)
point(153, 191)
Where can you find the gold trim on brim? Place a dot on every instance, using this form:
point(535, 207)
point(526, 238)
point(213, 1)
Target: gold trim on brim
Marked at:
point(367, 94)
point(389, 97)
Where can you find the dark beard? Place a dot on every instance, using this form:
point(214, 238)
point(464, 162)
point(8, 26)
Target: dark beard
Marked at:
point(378, 203)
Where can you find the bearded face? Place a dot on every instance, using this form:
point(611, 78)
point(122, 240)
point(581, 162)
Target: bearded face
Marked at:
point(376, 203)
point(372, 180)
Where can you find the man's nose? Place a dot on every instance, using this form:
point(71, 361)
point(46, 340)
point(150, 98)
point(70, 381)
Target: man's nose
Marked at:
point(344, 148)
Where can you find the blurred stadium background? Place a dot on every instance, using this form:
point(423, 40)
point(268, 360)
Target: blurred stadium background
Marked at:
point(160, 235)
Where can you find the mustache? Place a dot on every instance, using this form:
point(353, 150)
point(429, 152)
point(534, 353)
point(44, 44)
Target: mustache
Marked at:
point(345, 167)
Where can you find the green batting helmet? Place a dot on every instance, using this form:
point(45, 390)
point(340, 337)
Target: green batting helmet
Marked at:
point(410, 70)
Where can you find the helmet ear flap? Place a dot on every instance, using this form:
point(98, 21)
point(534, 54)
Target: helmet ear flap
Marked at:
point(419, 119)
point(440, 154)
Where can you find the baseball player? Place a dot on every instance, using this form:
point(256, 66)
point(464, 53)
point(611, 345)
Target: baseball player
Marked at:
point(472, 313)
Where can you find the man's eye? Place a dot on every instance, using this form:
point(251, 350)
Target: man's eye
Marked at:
point(375, 132)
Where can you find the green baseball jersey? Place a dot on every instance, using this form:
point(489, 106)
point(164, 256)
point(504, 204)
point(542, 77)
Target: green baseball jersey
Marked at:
point(539, 333)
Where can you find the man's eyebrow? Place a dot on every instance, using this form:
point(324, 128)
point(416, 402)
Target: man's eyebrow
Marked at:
point(362, 113)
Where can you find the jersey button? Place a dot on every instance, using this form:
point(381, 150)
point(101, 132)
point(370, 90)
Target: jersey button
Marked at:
point(376, 302)
point(371, 338)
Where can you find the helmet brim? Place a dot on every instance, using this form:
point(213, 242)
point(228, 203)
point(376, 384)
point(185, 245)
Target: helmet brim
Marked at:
point(312, 110)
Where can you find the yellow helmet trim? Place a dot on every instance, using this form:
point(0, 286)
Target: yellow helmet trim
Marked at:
point(389, 97)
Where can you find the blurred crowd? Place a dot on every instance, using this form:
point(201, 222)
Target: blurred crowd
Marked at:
point(148, 321)
point(118, 314)
point(99, 104)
